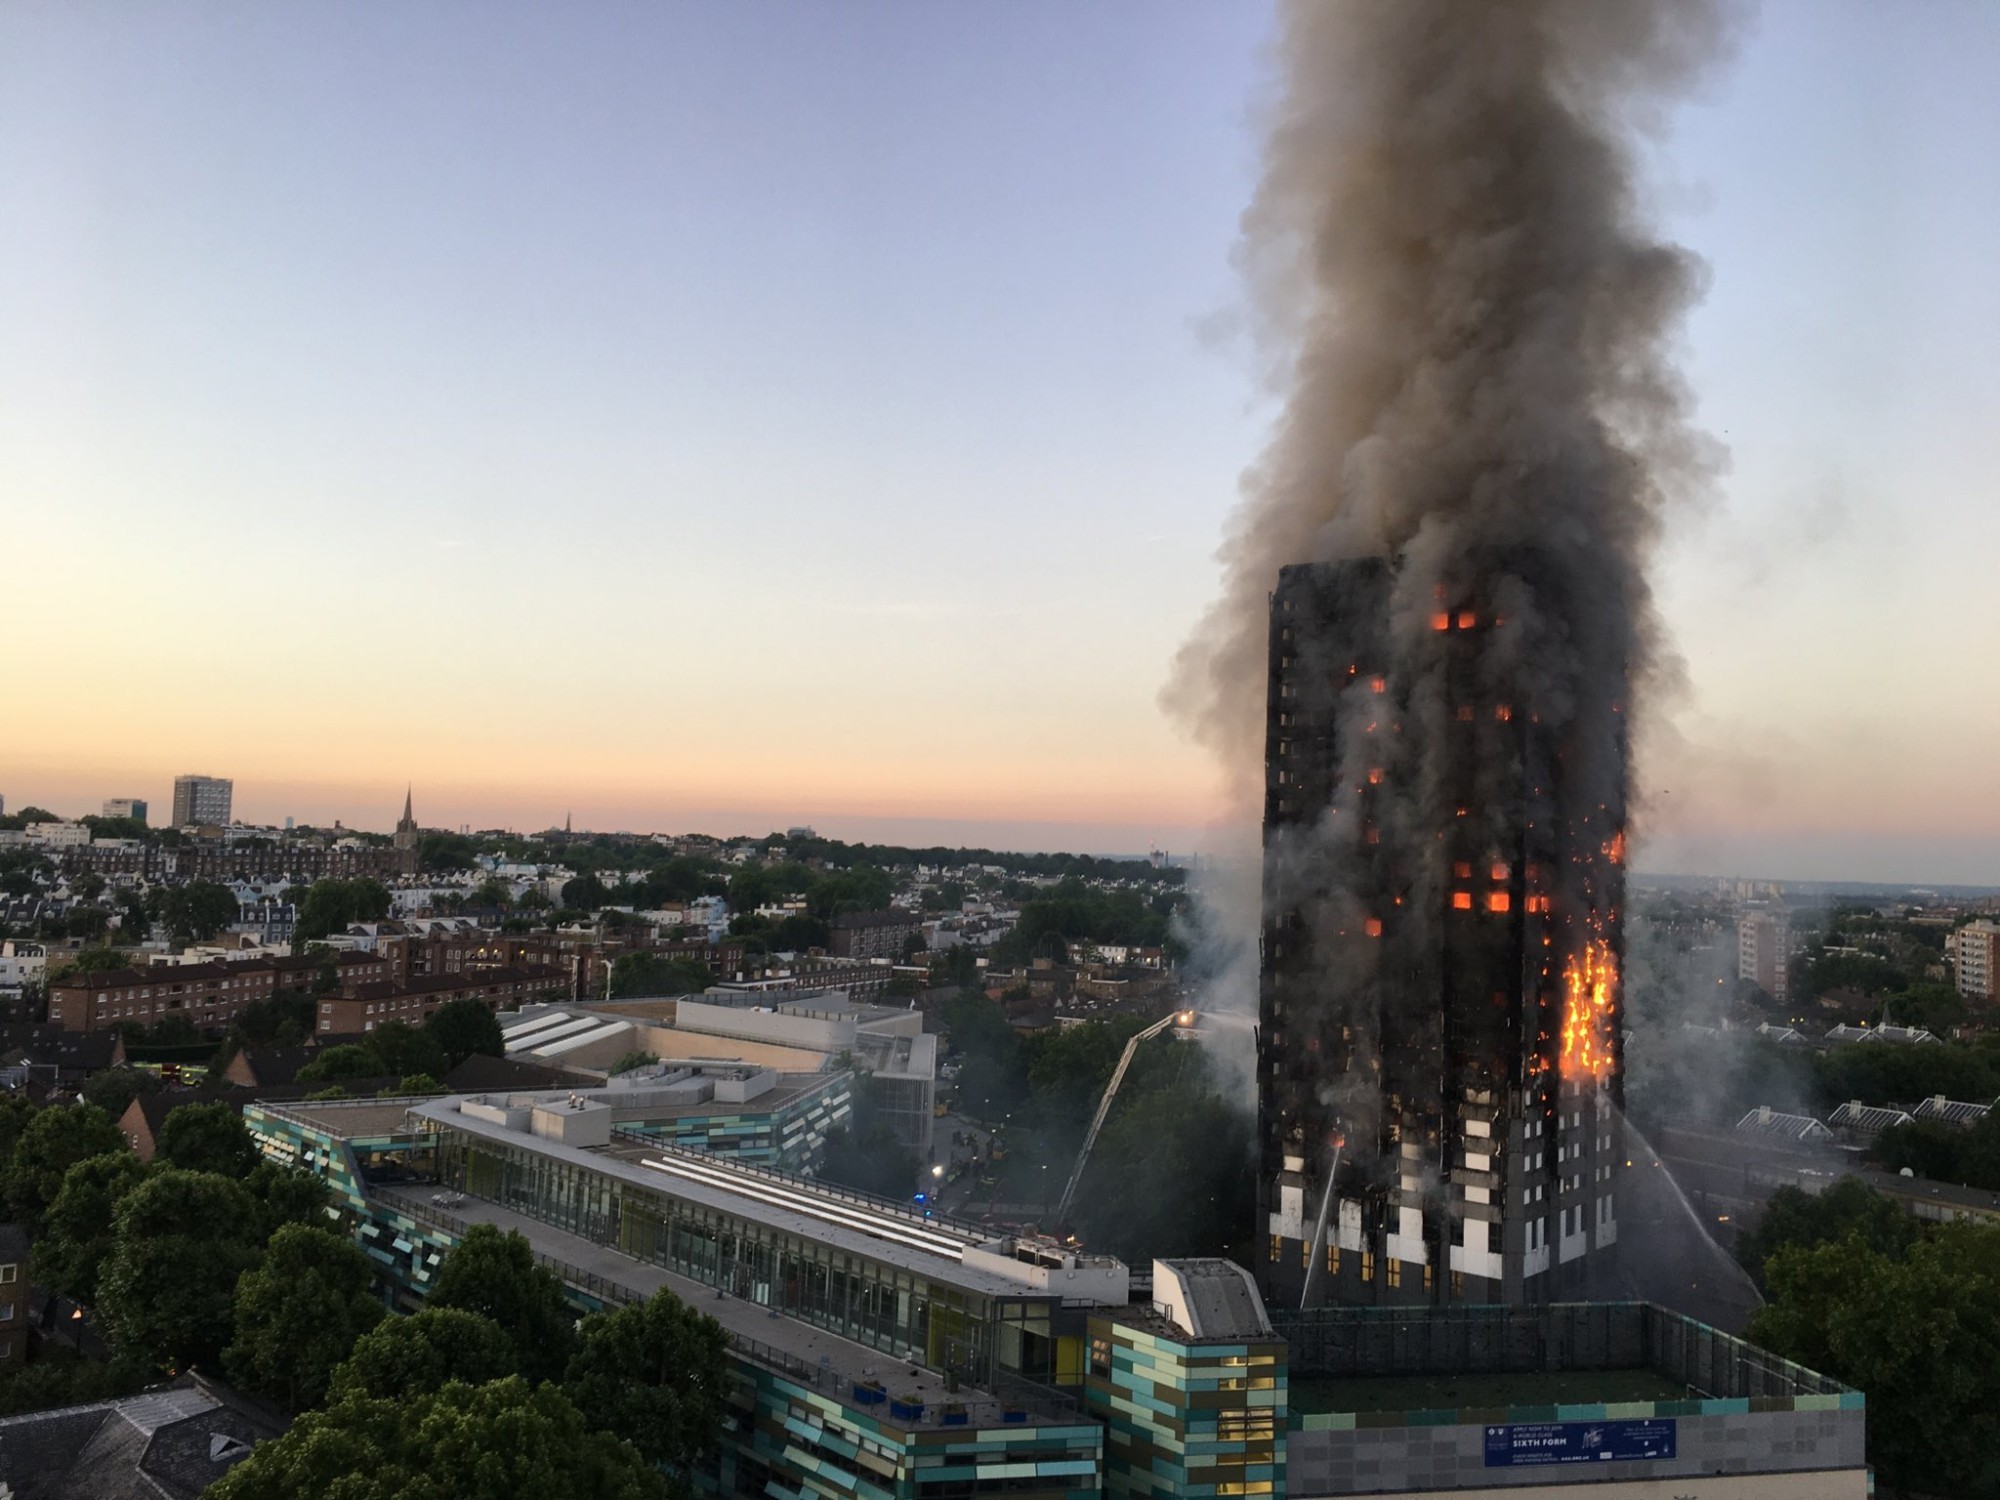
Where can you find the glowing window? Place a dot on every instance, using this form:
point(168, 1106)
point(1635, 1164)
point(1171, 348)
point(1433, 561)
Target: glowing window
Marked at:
point(1463, 869)
point(1367, 1265)
point(1379, 684)
point(1373, 926)
point(1498, 901)
point(1461, 900)
point(1467, 619)
point(1499, 869)
point(1395, 1272)
point(1440, 621)
point(1502, 712)
point(1375, 776)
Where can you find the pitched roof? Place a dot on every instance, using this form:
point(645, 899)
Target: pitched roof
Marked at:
point(1770, 1122)
point(84, 1051)
point(276, 1062)
point(1951, 1111)
point(1866, 1119)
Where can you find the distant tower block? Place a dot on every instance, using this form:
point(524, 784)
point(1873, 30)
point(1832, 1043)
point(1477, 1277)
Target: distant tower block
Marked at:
point(202, 800)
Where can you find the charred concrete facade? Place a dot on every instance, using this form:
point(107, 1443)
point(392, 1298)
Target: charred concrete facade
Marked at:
point(1438, 1047)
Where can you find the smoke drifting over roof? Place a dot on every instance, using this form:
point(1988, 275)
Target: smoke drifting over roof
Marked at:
point(1470, 324)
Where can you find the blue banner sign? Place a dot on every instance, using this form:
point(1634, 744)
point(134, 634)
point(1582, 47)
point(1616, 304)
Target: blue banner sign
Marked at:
point(1524, 1444)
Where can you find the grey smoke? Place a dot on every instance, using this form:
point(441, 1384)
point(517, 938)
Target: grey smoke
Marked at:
point(1470, 325)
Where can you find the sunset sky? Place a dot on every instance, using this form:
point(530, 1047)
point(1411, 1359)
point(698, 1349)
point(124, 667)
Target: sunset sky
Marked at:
point(699, 416)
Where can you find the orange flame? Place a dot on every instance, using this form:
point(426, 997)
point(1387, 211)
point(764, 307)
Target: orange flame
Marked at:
point(1590, 983)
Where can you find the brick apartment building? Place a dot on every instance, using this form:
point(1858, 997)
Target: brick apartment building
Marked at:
point(209, 996)
point(13, 1297)
point(873, 934)
point(369, 1005)
point(301, 862)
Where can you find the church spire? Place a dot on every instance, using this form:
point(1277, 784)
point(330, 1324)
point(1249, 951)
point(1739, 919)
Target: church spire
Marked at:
point(406, 826)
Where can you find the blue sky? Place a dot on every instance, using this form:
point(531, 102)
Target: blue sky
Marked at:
point(728, 415)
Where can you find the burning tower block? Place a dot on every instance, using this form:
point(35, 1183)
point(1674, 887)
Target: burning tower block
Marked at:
point(1439, 1041)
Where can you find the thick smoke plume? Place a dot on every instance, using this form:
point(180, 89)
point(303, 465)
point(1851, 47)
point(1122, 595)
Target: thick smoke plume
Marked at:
point(1469, 323)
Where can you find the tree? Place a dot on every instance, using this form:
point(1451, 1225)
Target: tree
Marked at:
point(16, 1110)
point(329, 905)
point(1069, 1068)
point(494, 1274)
point(462, 1027)
point(349, 1060)
point(412, 1083)
point(299, 1314)
point(179, 1242)
point(87, 922)
point(195, 912)
point(97, 961)
point(55, 1140)
point(1917, 1334)
point(114, 1089)
point(134, 925)
point(1795, 1219)
point(654, 974)
point(636, 1058)
point(416, 1356)
point(957, 965)
point(439, 852)
point(463, 1442)
point(993, 1074)
point(585, 893)
point(870, 1160)
point(77, 1234)
point(1170, 1175)
point(491, 891)
point(288, 1195)
point(655, 1375)
point(401, 1048)
point(207, 1138)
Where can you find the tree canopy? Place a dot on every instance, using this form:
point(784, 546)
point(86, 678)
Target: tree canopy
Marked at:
point(463, 1442)
point(655, 1374)
point(51, 1142)
point(493, 1273)
point(195, 912)
point(207, 1138)
point(404, 1357)
point(76, 1235)
point(179, 1242)
point(299, 1314)
point(462, 1027)
point(329, 905)
point(1917, 1332)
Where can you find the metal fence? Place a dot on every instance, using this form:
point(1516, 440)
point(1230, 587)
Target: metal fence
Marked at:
point(1372, 1342)
point(887, 1207)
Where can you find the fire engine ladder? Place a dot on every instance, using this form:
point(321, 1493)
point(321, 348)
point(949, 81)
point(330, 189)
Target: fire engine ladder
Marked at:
point(1172, 1018)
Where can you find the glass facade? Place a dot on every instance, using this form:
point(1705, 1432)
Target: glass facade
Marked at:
point(790, 1137)
point(909, 1315)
